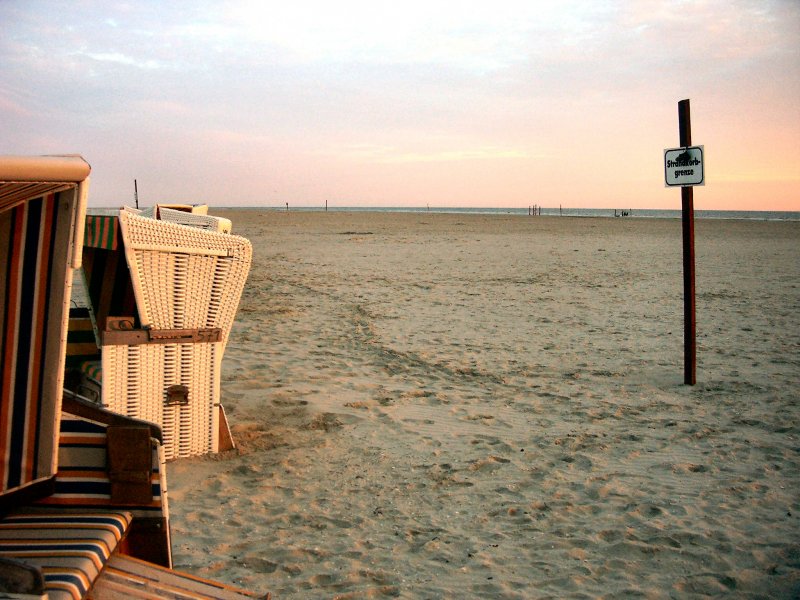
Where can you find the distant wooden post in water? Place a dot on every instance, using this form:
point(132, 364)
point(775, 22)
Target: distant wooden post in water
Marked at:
point(687, 217)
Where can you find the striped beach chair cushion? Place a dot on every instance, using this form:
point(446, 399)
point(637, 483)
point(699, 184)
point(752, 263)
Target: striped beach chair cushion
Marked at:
point(33, 281)
point(69, 549)
point(93, 369)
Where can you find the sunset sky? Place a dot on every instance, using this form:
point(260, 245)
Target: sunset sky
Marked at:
point(407, 103)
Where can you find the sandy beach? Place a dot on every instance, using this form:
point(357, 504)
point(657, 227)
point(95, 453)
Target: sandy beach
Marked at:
point(489, 406)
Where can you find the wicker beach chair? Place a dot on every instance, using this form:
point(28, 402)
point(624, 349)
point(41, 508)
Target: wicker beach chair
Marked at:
point(83, 508)
point(164, 321)
point(192, 215)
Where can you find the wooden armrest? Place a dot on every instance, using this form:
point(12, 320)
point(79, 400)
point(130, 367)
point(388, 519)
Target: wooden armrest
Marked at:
point(130, 465)
point(83, 408)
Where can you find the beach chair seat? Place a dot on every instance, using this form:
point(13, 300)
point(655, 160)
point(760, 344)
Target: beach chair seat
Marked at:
point(104, 532)
point(70, 549)
point(108, 494)
point(107, 461)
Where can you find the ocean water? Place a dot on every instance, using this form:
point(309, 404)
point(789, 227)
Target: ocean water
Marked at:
point(748, 215)
point(643, 213)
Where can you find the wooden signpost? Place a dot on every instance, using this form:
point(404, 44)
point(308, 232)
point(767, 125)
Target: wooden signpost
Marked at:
point(684, 167)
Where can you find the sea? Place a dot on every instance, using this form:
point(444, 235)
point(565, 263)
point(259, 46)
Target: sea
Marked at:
point(747, 215)
point(641, 213)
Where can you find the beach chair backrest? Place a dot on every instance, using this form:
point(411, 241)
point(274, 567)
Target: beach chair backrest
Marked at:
point(184, 277)
point(40, 202)
point(201, 221)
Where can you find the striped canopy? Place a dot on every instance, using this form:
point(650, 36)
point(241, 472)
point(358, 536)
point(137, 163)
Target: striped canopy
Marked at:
point(102, 231)
point(37, 250)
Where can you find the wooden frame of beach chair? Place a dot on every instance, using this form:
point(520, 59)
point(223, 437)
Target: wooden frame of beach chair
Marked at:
point(83, 489)
point(163, 363)
point(83, 374)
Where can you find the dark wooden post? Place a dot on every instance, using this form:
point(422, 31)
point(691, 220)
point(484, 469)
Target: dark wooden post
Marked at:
point(687, 216)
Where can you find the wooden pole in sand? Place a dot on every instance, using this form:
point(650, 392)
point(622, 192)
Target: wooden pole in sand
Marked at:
point(687, 217)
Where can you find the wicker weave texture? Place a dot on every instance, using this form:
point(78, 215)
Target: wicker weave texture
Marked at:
point(208, 222)
point(184, 277)
point(135, 383)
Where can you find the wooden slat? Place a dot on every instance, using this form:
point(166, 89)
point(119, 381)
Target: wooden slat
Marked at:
point(136, 337)
point(126, 577)
point(181, 249)
point(13, 193)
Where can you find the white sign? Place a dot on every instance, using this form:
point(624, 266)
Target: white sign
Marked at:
point(684, 166)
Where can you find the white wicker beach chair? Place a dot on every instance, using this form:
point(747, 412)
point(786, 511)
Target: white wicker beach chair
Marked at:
point(210, 222)
point(166, 368)
point(194, 216)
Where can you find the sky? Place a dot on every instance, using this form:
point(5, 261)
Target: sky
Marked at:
point(407, 103)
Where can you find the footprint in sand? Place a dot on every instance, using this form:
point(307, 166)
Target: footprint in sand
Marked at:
point(577, 461)
point(496, 444)
point(490, 463)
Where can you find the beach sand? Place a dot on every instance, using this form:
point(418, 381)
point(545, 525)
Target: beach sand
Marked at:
point(461, 406)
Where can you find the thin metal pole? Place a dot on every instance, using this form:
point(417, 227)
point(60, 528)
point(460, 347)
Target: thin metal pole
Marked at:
point(687, 217)
point(136, 193)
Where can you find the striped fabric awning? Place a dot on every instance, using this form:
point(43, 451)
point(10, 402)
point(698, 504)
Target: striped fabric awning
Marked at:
point(102, 231)
point(42, 208)
point(33, 280)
